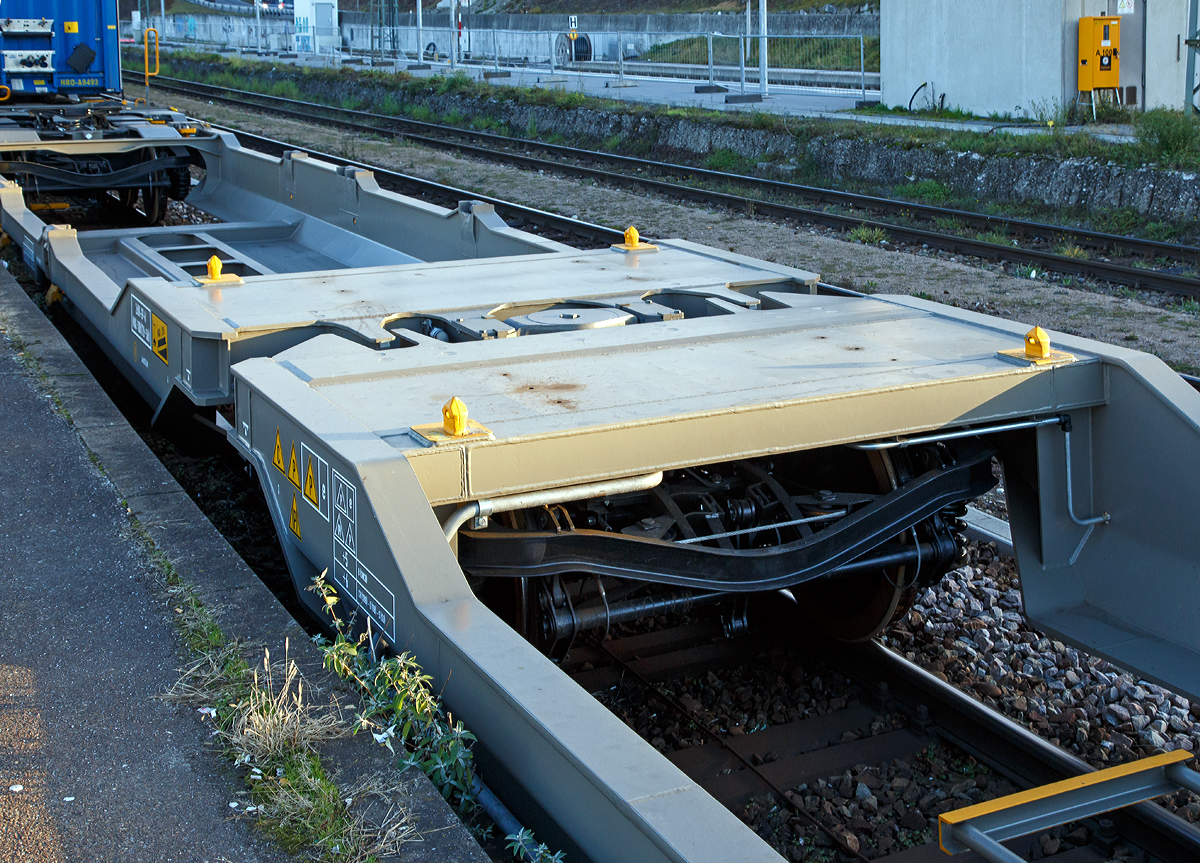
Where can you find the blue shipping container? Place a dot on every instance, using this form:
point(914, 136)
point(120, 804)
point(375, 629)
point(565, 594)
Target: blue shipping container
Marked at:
point(66, 47)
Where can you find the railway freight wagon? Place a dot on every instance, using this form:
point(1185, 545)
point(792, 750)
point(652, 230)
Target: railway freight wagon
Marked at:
point(491, 442)
point(58, 48)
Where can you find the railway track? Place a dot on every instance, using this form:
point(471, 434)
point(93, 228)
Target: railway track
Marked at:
point(905, 709)
point(770, 196)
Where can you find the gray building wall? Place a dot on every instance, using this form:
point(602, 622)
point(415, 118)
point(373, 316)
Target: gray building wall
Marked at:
point(987, 56)
point(1020, 56)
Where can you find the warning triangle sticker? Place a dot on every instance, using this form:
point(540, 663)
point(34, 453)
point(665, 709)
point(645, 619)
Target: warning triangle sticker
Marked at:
point(278, 459)
point(310, 485)
point(293, 472)
point(294, 522)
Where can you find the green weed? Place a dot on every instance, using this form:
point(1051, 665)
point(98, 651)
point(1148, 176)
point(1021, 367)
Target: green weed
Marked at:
point(1070, 250)
point(1167, 135)
point(930, 191)
point(868, 235)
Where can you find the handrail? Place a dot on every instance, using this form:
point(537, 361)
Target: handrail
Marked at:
point(146, 57)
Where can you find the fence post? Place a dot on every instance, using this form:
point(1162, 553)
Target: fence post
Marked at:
point(711, 79)
point(762, 47)
point(862, 66)
point(552, 36)
point(496, 48)
point(742, 59)
point(420, 35)
point(453, 32)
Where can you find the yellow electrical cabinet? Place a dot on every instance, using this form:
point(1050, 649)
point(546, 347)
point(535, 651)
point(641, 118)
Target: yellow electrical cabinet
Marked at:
point(1099, 52)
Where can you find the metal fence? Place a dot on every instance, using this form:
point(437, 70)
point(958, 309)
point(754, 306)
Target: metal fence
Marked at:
point(830, 64)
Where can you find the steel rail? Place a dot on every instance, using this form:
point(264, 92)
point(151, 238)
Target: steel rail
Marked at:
point(1104, 270)
point(972, 726)
point(1006, 746)
point(746, 763)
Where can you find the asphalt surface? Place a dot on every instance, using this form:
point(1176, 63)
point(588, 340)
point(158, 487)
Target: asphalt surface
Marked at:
point(92, 765)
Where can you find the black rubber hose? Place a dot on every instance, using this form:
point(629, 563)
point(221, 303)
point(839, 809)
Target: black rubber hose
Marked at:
point(914, 95)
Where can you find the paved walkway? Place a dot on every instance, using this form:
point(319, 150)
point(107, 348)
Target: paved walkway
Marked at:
point(92, 765)
point(811, 102)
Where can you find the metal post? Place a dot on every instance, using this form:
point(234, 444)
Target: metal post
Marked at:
point(620, 61)
point(762, 47)
point(742, 59)
point(453, 31)
point(420, 35)
point(862, 66)
point(1189, 94)
point(711, 79)
point(258, 25)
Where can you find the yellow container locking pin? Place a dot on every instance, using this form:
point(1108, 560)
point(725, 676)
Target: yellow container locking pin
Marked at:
point(454, 417)
point(633, 242)
point(215, 276)
point(1037, 350)
point(1037, 344)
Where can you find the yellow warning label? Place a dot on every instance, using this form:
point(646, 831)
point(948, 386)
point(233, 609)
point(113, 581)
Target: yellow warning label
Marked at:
point(294, 521)
point(310, 485)
point(158, 337)
point(293, 472)
point(70, 26)
point(278, 459)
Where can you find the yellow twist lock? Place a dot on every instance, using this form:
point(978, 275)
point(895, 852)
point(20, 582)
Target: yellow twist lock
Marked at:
point(1037, 344)
point(214, 268)
point(1037, 350)
point(633, 242)
point(454, 417)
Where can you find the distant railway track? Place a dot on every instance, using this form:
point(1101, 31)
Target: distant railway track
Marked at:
point(1034, 240)
point(777, 759)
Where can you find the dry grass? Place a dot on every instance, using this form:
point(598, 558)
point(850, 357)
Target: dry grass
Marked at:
point(273, 723)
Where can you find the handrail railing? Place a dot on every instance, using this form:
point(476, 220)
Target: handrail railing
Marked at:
point(146, 57)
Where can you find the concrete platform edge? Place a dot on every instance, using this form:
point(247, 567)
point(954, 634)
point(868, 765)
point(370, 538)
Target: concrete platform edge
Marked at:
point(242, 605)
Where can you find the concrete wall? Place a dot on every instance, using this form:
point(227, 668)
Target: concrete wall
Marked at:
point(987, 56)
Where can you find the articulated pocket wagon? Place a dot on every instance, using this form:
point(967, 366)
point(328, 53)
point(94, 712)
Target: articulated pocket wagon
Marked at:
point(492, 443)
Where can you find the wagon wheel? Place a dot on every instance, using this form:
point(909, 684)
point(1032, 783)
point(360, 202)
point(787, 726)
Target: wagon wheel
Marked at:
point(858, 607)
